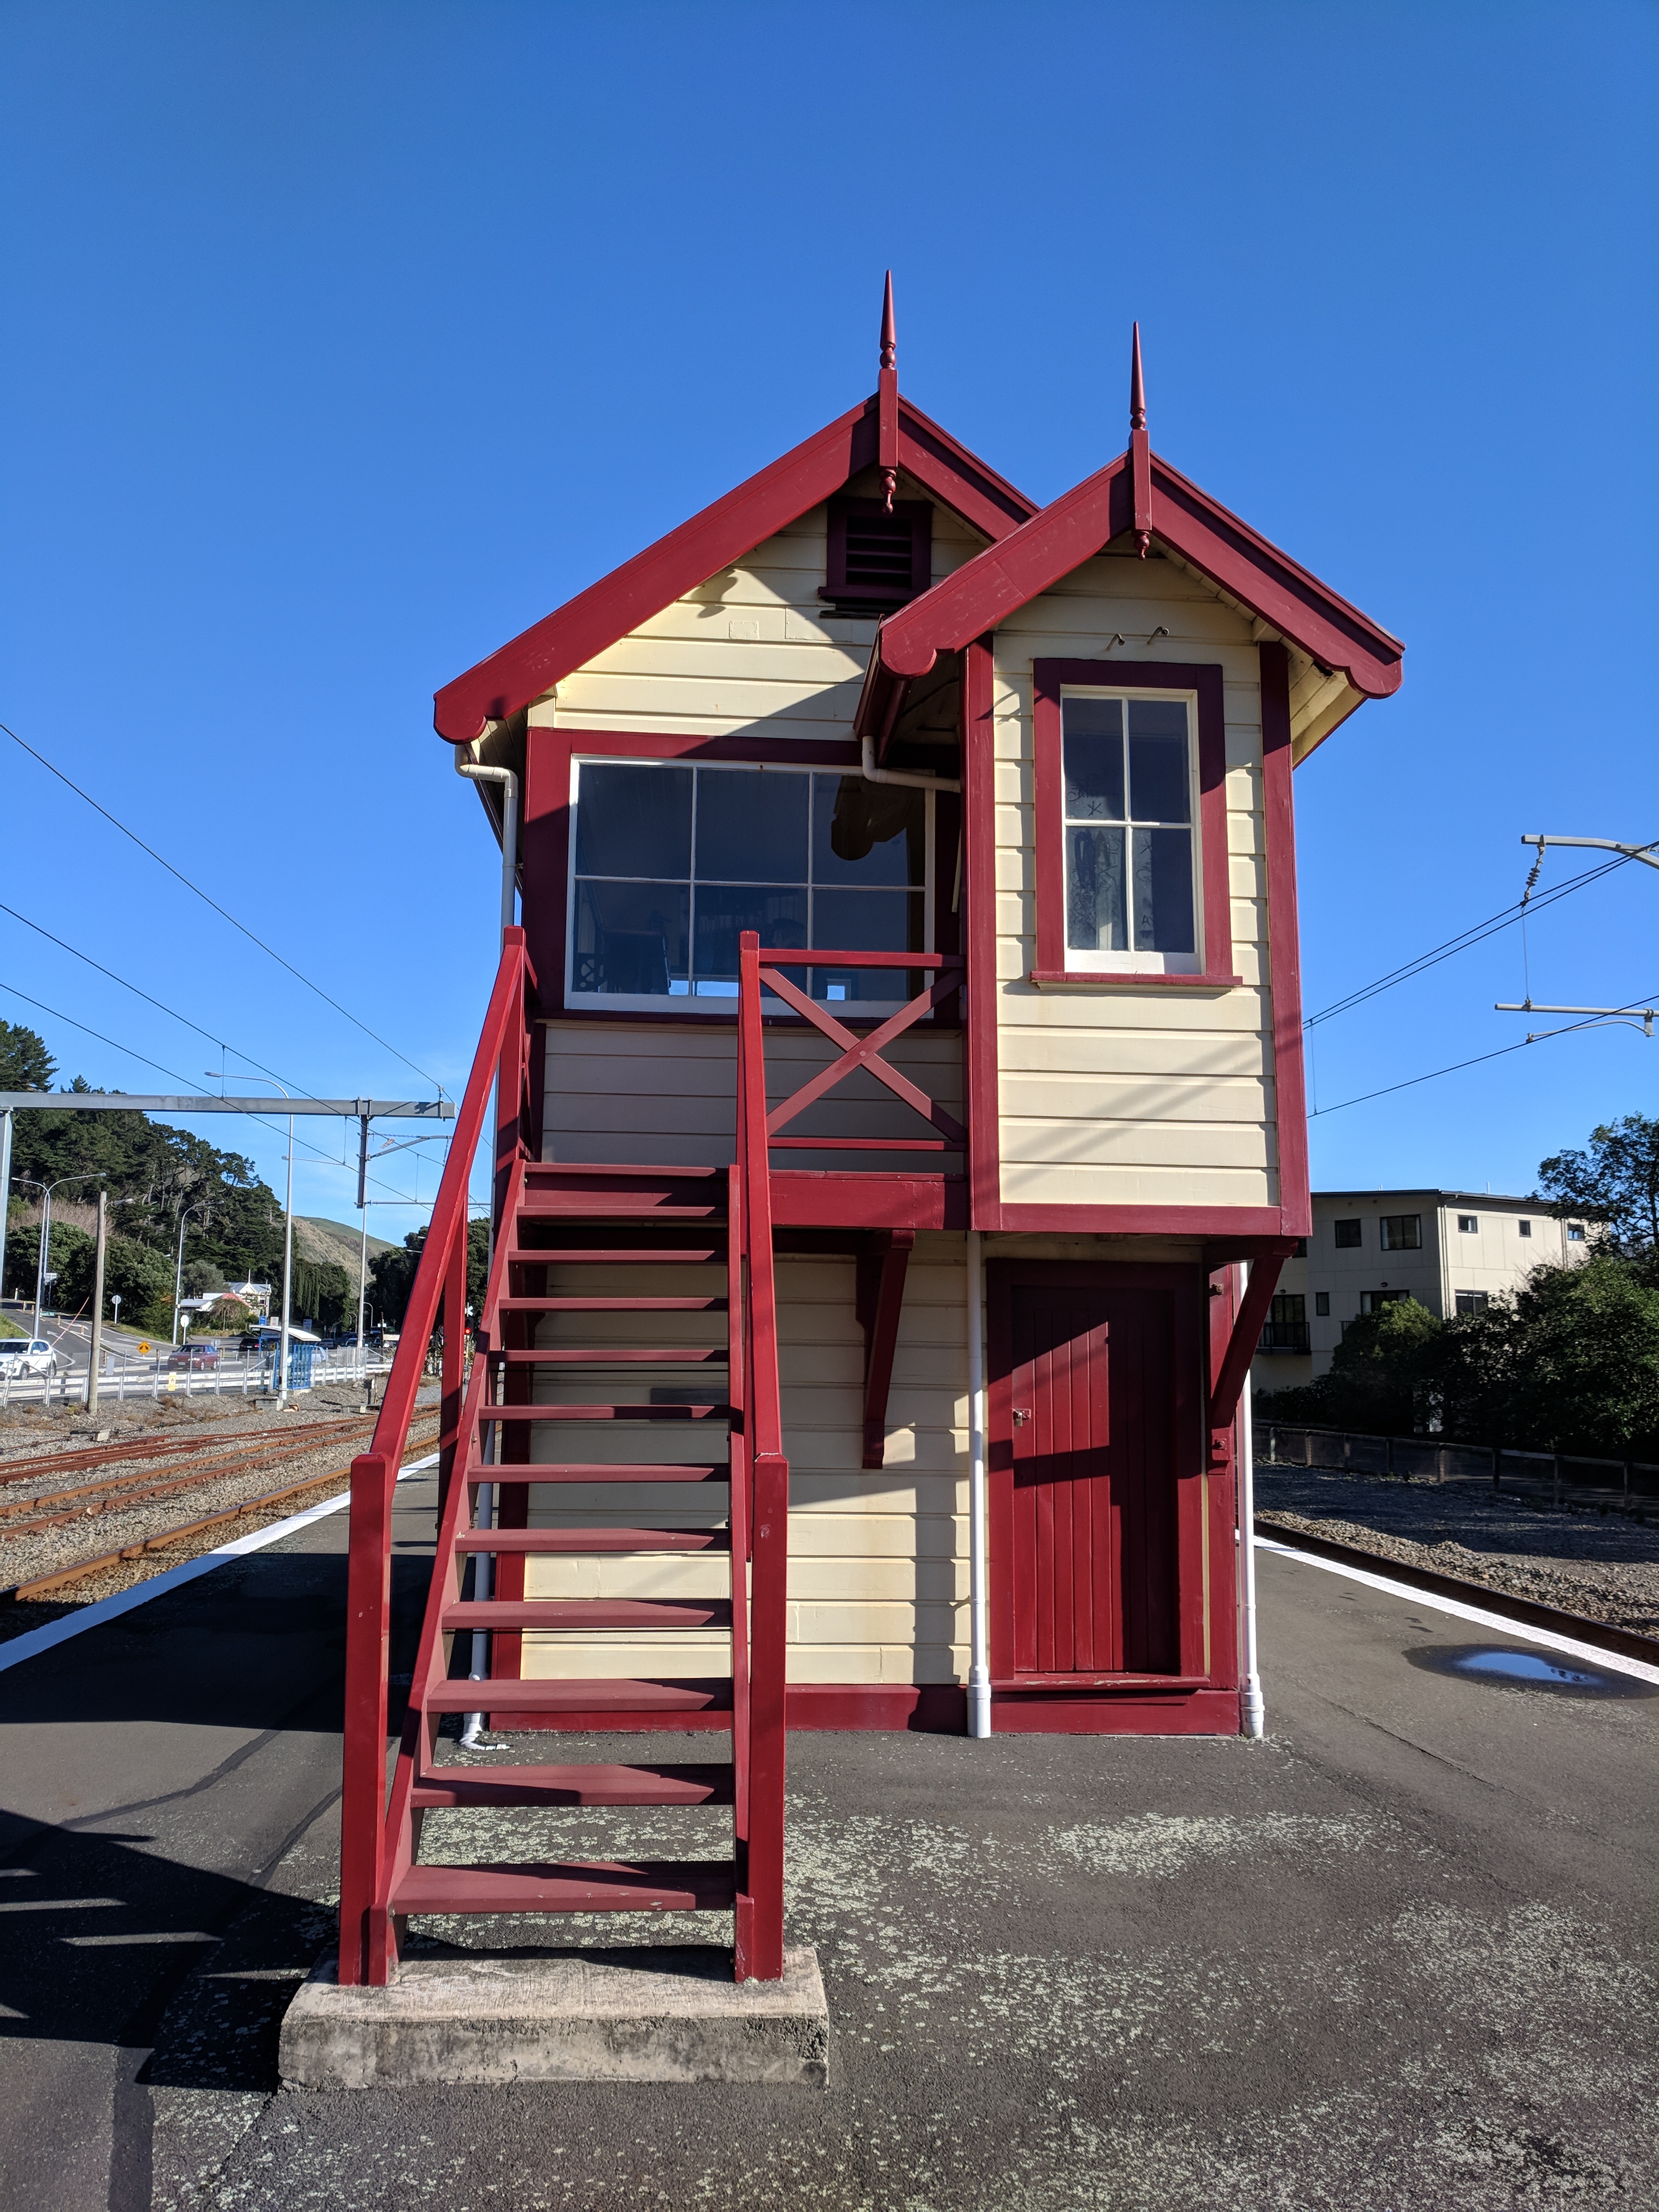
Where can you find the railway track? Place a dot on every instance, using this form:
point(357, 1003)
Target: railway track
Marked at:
point(424, 1432)
point(161, 1447)
point(1605, 1635)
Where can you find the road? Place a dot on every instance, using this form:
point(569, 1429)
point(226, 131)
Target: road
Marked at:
point(1392, 1958)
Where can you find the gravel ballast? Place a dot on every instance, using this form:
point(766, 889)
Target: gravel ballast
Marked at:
point(1605, 1566)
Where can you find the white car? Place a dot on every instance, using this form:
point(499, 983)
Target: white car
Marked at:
point(24, 1355)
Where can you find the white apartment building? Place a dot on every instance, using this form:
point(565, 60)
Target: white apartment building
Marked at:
point(1448, 1249)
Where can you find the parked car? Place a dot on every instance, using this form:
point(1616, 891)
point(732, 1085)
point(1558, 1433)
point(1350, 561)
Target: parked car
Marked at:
point(27, 1355)
point(197, 1358)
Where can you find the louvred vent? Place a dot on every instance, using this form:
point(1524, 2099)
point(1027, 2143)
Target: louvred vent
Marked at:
point(877, 561)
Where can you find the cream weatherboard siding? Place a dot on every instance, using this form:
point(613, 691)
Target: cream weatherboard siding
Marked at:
point(1112, 1095)
point(664, 1094)
point(753, 651)
point(877, 1560)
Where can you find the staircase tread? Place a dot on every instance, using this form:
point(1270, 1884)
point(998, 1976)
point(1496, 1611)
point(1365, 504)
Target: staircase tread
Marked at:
point(586, 1613)
point(675, 1411)
point(593, 1540)
point(562, 1693)
point(607, 1355)
point(669, 1170)
point(666, 1784)
point(569, 1886)
point(507, 1473)
point(615, 1304)
point(618, 1256)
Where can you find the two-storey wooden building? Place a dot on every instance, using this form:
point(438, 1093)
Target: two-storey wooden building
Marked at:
point(899, 1070)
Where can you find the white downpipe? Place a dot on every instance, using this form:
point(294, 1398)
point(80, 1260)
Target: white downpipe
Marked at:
point(872, 773)
point(1255, 1708)
point(475, 772)
point(979, 1670)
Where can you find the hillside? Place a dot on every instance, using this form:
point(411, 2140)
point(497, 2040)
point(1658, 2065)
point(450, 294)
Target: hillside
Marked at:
point(333, 1243)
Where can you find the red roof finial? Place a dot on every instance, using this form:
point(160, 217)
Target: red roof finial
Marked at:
point(1137, 388)
point(889, 341)
point(1141, 454)
point(887, 400)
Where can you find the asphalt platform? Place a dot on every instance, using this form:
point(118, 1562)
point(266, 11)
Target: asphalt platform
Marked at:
point(1397, 1956)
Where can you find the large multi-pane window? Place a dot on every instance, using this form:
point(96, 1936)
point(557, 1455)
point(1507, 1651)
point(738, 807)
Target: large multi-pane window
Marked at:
point(1129, 825)
point(670, 863)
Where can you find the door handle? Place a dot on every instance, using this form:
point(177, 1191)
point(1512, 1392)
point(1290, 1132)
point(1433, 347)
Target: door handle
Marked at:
point(1021, 1414)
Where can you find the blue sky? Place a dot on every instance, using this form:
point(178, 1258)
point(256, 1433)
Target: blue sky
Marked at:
point(345, 340)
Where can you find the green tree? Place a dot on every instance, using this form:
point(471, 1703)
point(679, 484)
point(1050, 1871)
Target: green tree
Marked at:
point(23, 1259)
point(1614, 1183)
point(136, 1273)
point(1376, 1375)
point(393, 1271)
point(25, 1063)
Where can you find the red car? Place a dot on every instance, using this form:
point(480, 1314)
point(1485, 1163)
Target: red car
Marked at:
point(197, 1358)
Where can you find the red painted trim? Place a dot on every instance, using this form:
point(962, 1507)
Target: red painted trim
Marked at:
point(776, 496)
point(803, 1198)
point(1205, 680)
point(1284, 941)
point(918, 512)
point(979, 898)
point(1072, 528)
point(1253, 1221)
point(1189, 1712)
point(1051, 979)
point(883, 1264)
point(1229, 1372)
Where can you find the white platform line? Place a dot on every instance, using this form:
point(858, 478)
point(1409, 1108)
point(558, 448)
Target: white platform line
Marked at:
point(1615, 1661)
point(110, 1608)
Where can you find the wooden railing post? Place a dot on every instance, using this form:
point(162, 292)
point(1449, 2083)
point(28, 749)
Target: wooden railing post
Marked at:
point(363, 1788)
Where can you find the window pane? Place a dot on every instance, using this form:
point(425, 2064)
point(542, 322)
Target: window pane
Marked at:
point(867, 833)
point(1164, 890)
point(1347, 1235)
point(1159, 788)
point(777, 911)
point(1094, 891)
point(632, 820)
point(1092, 741)
point(751, 825)
point(867, 921)
point(631, 938)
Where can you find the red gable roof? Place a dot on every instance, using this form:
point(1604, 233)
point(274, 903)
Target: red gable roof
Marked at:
point(769, 501)
point(988, 589)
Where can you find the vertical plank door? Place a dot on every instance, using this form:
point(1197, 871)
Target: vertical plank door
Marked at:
point(1098, 1422)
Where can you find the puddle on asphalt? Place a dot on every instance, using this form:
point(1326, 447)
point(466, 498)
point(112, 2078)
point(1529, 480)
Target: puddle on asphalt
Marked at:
point(1522, 1668)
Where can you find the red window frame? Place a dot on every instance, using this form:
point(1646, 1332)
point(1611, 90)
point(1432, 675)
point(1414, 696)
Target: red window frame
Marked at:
point(544, 865)
point(1204, 681)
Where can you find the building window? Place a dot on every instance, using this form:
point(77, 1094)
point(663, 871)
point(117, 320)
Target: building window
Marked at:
point(1402, 1232)
point(1468, 1225)
point(671, 862)
point(1130, 805)
point(875, 562)
point(1322, 1305)
point(1575, 1232)
point(1523, 1228)
point(1470, 1302)
point(1286, 1329)
point(1374, 1301)
point(1299, 1250)
point(1348, 1237)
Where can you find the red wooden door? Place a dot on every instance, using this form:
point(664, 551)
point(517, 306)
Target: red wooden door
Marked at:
point(1094, 1419)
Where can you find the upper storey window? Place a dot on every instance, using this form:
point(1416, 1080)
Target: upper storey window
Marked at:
point(875, 562)
point(1130, 813)
point(670, 863)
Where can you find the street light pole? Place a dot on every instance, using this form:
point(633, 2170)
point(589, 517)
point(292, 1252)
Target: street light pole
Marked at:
point(179, 1272)
point(46, 1190)
point(288, 1267)
point(95, 1355)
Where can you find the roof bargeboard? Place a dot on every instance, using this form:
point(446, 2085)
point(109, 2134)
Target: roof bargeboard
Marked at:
point(540, 657)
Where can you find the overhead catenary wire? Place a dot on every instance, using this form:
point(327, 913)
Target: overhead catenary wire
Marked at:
point(1475, 934)
point(159, 1003)
point(116, 823)
point(1500, 1052)
point(46, 1096)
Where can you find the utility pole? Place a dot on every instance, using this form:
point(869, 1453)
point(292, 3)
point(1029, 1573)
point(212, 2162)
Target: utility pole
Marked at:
point(362, 1256)
point(97, 1353)
point(5, 1189)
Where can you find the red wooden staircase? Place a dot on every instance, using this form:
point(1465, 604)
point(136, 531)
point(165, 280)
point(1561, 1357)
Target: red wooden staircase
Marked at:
point(571, 1226)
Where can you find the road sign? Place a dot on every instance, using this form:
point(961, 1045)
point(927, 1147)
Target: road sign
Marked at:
point(143, 1352)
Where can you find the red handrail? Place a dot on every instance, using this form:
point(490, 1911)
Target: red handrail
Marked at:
point(503, 1051)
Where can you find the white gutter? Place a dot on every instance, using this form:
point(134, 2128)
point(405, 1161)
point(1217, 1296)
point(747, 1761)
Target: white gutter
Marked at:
point(979, 1672)
point(872, 773)
point(1254, 1708)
